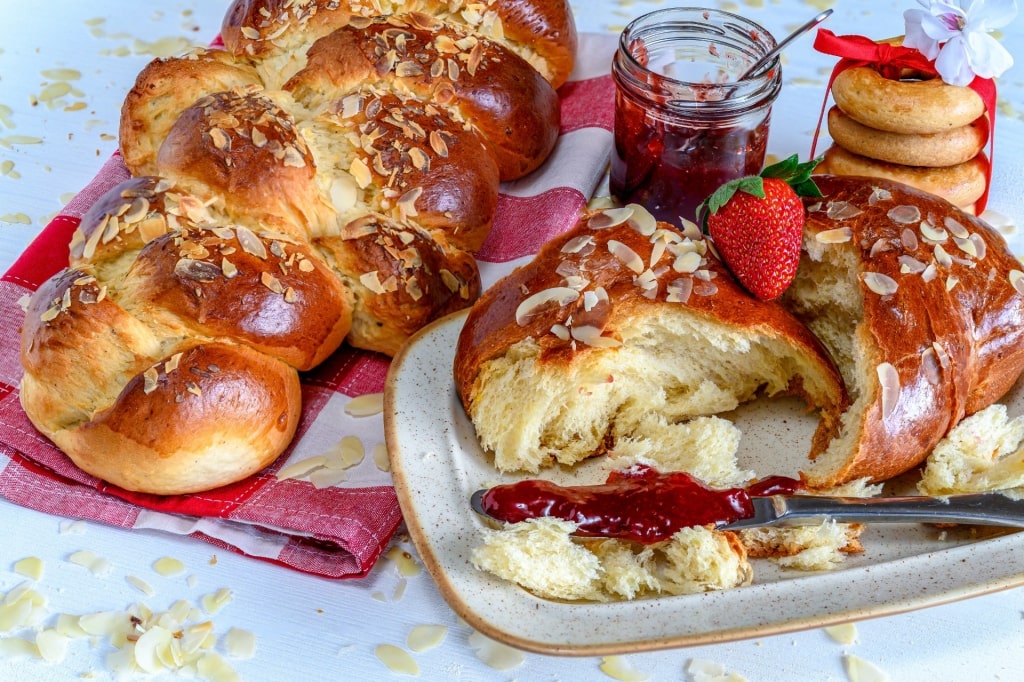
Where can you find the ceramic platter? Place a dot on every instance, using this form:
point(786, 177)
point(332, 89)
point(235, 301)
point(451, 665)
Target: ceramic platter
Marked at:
point(437, 463)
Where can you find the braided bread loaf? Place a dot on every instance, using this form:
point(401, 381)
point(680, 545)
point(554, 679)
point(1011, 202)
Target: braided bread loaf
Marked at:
point(324, 178)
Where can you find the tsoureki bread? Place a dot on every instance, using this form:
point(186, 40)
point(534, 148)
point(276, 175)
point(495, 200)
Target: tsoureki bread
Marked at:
point(618, 319)
point(324, 178)
point(920, 304)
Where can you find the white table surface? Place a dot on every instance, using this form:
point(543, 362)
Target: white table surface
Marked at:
point(308, 628)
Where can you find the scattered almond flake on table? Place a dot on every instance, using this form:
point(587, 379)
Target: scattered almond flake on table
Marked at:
point(168, 566)
point(141, 585)
point(17, 647)
point(404, 561)
point(495, 654)
point(365, 405)
point(239, 643)
point(425, 637)
point(844, 633)
point(212, 603)
point(96, 565)
point(397, 660)
point(301, 468)
point(17, 218)
point(52, 645)
point(380, 457)
point(861, 670)
point(30, 567)
point(619, 668)
point(703, 670)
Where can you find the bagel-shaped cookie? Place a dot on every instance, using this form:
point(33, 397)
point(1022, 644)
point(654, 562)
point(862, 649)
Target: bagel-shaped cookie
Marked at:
point(935, 150)
point(919, 107)
point(960, 185)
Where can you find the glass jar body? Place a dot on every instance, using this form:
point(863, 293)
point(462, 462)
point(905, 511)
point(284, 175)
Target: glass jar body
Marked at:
point(684, 121)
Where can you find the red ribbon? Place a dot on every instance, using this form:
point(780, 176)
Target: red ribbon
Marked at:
point(890, 61)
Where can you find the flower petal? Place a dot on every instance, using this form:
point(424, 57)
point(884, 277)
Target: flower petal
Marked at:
point(952, 63)
point(915, 36)
point(986, 15)
point(987, 58)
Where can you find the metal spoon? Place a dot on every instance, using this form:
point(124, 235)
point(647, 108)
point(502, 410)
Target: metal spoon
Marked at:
point(764, 61)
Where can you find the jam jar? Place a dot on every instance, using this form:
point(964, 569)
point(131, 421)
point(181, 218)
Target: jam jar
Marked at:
point(685, 122)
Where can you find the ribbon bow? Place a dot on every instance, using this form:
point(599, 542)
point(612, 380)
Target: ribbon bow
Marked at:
point(890, 61)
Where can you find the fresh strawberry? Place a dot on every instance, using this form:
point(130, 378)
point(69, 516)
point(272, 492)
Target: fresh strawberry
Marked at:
point(757, 225)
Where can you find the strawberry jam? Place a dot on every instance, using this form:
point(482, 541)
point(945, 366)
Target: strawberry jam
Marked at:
point(639, 504)
point(684, 122)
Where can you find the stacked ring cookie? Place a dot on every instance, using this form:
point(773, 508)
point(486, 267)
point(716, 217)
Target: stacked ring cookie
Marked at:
point(918, 131)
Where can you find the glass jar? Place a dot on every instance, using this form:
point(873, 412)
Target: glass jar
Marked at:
point(684, 121)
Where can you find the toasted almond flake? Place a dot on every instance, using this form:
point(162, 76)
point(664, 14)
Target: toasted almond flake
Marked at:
point(141, 585)
point(909, 239)
point(591, 336)
point(365, 405)
point(844, 633)
point(220, 139)
point(951, 281)
point(404, 562)
point(910, 265)
point(619, 668)
point(889, 379)
point(932, 369)
point(942, 355)
point(838, 235)
point(955, 227)
point(301, 468)
point(880, 246)
point(642, 220)
point(842, 210)
point(30, 567)
point(611, 217)
point(380, 457)
point(168, 566)
point(577, 244)
point(883, 285)
point(678, 291)
point(250, 33)
point(239, 643)
point(930, 273)
point(96, 565)
point(904, 214)
point(932, 233)
point(942, 258)
point(966, 245)
point(561, 331)
point(397, 660)
point(861, 670)
point(626, 255)
point(425, 637)
point(495, 654)
point(688, 262)
point(371, 280)
point(250, 243)
point(1017, 280)
point(980, 246)
point(562, 296)
point(212, 603)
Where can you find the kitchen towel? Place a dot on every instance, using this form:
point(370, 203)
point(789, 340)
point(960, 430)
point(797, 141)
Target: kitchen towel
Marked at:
point(332, 522)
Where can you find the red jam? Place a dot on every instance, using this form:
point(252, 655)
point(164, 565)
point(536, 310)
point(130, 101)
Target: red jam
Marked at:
point(639, 504)
point(670, 166)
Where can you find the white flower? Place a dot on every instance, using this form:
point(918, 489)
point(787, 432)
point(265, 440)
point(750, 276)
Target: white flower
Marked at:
point(955, 33)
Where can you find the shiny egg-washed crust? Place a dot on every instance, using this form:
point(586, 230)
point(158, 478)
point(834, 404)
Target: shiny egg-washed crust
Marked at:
point(165, 359)
point(325, 178)
point(953, 328)
point(618, 295)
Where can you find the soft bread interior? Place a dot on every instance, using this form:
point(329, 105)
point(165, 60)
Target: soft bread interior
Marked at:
point(675, 363)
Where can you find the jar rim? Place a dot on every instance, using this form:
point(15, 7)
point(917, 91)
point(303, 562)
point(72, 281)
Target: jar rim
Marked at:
point(738, 33)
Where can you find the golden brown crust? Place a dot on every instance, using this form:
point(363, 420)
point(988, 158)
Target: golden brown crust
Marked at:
point(947, 148)
point(493, 90)
point(919, 107)
point(617, 291)
point(961, 185)
point(953, 328)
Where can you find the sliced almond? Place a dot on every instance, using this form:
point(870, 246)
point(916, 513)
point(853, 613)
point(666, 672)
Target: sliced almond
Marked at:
point(562, 296)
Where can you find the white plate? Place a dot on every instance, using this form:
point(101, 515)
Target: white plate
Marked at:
point(437, 464)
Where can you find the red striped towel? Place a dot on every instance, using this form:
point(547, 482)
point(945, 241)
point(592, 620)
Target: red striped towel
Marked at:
point(340, 530)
